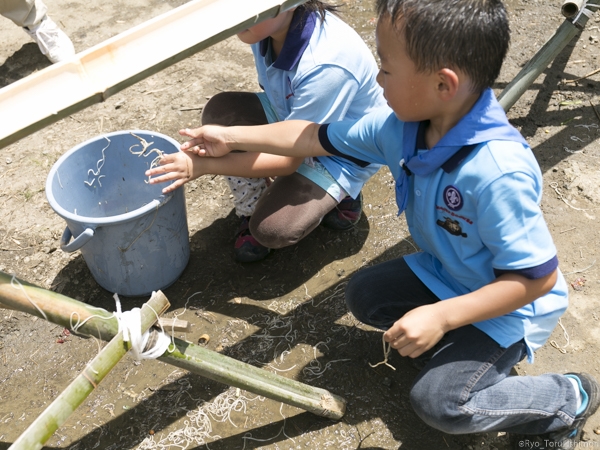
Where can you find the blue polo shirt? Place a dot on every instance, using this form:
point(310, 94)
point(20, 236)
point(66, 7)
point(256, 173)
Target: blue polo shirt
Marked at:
point(325, 73)
point(475, 217)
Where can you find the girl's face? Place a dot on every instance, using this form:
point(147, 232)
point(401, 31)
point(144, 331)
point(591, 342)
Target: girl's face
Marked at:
point(276, 28)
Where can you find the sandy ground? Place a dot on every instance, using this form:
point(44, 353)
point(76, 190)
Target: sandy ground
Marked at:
point(285, 314)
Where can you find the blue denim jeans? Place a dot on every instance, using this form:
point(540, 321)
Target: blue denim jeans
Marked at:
point(465, 385)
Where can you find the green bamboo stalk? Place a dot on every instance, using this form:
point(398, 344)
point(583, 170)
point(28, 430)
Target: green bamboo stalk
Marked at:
point(196, 359)
point(21, 296)
point(536, 65)
point(223, 369)
point(56, 414)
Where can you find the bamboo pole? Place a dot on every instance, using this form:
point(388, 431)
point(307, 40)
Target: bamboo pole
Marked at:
point(62, 310)
point(56, 414)
point(550, 50)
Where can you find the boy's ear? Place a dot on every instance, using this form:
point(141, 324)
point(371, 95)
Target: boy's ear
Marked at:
point(447, 84)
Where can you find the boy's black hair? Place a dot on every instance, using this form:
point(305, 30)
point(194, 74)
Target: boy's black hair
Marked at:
point(470, 35)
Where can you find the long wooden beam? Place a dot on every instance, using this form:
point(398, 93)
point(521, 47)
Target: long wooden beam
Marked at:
point(93, 75)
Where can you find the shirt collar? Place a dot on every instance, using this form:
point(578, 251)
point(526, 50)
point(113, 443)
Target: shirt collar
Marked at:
point(296, 41)
point(486, 121)
point(454, 161)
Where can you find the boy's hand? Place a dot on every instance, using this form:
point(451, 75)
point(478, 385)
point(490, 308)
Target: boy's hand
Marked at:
point(209, 140)
point(417, 331)
point(173, 166)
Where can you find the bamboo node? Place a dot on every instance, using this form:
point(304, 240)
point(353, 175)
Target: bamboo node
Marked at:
point(86, 376)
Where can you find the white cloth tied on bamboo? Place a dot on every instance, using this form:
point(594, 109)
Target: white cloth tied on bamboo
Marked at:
point(130, 323)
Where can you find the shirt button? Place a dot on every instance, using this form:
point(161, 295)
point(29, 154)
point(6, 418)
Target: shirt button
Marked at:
point(418, 193)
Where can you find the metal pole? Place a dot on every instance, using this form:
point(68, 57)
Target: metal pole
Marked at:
point(536, 65)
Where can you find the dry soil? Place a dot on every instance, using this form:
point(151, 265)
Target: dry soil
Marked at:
point(286, 313)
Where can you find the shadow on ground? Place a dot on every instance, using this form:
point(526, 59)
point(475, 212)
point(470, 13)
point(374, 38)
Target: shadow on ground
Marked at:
point(321, 322)
point(22, 63)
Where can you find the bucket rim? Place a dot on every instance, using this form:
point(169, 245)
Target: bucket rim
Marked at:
point(110, 220)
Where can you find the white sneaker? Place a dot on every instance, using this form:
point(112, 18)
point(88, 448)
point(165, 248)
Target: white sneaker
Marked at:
point(53, 42)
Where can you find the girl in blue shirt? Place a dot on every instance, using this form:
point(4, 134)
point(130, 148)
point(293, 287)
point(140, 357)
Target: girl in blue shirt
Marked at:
point(312, 66)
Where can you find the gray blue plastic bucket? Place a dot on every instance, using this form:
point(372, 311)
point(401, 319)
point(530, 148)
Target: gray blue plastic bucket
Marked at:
point(134, 239)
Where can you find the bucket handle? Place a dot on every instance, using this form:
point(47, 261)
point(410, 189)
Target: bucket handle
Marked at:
point(79, 241)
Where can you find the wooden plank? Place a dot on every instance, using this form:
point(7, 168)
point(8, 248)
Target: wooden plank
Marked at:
point(170, 325)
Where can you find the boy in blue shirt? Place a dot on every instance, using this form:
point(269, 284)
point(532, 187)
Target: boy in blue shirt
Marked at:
point(485, 291)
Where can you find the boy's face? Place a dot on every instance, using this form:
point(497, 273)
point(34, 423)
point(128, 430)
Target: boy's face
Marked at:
point(277, 27)
point(408, 92)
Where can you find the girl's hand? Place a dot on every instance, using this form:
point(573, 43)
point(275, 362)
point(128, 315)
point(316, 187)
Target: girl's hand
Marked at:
point(173, 166)
point(417, 331)
point(209, 140)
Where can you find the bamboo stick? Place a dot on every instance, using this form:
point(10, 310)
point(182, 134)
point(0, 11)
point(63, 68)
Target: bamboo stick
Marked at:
point(223, 369)
point(550, 50)
point(589, 74)
point(207, 363)
point(56, 414)
point(21, 296)
point(536, 65)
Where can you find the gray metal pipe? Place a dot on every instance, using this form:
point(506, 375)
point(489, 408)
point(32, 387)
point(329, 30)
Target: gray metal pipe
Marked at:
point(550, 50)
point(570, 8)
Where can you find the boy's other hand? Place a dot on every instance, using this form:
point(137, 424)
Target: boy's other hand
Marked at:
point(209, 140)
point(173, 166)
point(417, 331)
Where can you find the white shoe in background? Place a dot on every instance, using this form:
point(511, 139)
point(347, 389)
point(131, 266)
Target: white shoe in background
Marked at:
point(53, 42)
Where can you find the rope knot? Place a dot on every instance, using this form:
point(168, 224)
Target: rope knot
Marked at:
point(130, 323)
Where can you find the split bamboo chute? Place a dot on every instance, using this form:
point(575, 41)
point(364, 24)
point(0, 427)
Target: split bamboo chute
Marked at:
point(97, 73)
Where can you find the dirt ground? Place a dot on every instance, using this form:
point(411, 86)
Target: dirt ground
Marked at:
point(286, 313)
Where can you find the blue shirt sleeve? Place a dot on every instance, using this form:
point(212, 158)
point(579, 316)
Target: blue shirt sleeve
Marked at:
point(367, 140)
point(512, 226)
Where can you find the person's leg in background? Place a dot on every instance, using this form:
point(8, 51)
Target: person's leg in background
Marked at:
point(32, 16)
point(24, 13)
point(290, 209)
point(230, 109)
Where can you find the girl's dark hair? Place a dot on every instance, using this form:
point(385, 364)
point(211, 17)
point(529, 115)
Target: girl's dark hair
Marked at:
point(319, 7)
point(470, 35)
